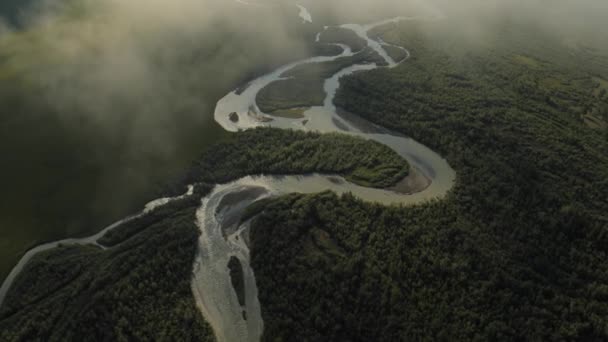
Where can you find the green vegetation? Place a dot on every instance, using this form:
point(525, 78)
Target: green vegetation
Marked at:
point(139, 224)
point(518, 249)
point(136, 290)
point(597, 113)
point(277, 151)
point(236, 278)
point(340, 35)
point(139, 288)
point(291, 98)
point(76, 158)
point(304, 88)
point(397, 54)
point(325, 50)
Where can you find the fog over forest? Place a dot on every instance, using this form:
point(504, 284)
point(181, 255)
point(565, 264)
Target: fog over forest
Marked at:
point(100, 53)
point(460, 150)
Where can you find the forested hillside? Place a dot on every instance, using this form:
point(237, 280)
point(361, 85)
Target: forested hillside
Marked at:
point(286, 152)
point(518, 250)
point(96, 116)
point(139, 288)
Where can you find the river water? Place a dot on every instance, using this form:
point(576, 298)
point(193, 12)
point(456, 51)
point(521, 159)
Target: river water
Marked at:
point(218, 217)
point(211, 282)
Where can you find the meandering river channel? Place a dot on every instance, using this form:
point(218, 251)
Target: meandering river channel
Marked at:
point(220, 240)
point(223, 237)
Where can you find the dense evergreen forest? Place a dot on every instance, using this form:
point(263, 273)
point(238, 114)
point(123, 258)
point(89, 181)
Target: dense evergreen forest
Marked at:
point(79, 153)
point(303, 86)
point(137, 290)
point(286, 152)
point(139, 287)
point(518, 250)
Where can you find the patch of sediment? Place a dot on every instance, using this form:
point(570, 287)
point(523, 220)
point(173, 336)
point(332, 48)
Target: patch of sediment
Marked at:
point(430, 177)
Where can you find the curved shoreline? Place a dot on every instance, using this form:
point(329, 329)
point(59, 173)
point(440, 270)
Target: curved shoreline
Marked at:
point(431, 178)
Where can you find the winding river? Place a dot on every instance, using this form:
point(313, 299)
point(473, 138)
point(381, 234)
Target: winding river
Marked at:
point(218, 217)
point(221, 239)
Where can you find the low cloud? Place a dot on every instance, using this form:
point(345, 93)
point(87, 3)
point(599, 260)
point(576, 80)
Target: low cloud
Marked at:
point(145, 60)
point(139, 69)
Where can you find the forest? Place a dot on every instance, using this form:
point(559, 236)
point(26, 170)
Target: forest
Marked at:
point(137, 290)
point(79, 153)
point(139, 287)
point(518, 249)
point(286, 152)
point(302, 87)
point(396, 54)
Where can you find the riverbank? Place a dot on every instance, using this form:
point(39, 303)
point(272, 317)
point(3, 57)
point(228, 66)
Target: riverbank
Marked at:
point(432, 178)
point(375, 159)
